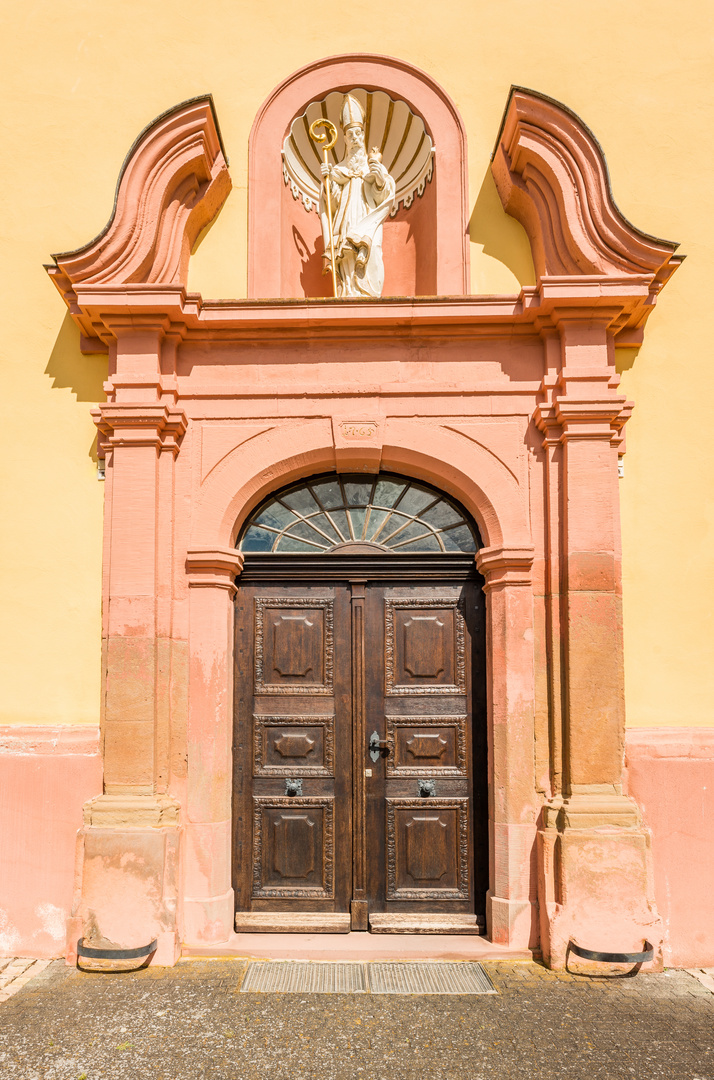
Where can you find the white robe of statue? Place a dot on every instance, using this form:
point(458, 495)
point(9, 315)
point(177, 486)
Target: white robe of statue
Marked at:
point(362, 196)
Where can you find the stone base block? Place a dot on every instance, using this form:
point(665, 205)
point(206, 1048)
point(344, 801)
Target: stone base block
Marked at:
point(595, 888)
point(126, 889)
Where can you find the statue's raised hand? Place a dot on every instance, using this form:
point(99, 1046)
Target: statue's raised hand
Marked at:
point(325, 169)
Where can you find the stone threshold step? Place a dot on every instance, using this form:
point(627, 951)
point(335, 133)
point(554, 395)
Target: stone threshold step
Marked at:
point(288, 922)
point(424, 924)
point(356, 945)
point(326, 922)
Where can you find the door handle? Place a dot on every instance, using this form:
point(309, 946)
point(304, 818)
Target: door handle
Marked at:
point(377, 746)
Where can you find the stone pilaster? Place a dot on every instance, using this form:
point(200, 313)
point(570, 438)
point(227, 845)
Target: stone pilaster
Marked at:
point(510, 903)
point(594, 876)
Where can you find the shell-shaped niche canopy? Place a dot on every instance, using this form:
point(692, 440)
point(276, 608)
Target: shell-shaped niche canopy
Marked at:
point(334, 512)
point(399, 134)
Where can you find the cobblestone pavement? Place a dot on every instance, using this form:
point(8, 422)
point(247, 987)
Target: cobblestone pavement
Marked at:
point(191, 1022)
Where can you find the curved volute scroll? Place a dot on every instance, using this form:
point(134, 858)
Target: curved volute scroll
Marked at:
point(172, 184)
point(552, 176)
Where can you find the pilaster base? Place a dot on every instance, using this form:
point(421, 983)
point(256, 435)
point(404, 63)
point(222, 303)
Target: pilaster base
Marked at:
point(595, 879)
point(511, 922)
point(208, 920)
point(126, 884)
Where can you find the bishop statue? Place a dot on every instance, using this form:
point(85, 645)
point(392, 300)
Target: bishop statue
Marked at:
point(362, 196)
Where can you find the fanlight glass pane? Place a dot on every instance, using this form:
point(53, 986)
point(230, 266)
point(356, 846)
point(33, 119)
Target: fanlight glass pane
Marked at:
point(388, 513)
point(275, 515)
point(329, 493)
point(358, 494)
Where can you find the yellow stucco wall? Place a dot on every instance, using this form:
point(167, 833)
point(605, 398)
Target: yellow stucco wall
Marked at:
point(82, 80)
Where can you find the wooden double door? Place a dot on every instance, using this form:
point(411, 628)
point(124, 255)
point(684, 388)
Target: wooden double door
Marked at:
point(359, 750)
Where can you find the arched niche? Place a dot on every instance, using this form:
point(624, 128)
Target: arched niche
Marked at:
point(425, 242)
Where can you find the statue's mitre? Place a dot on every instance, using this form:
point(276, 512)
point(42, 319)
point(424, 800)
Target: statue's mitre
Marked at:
point(351, 112)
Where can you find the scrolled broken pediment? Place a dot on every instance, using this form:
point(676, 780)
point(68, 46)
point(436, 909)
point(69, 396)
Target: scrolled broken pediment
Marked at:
point(172, 184)
point(552, 176)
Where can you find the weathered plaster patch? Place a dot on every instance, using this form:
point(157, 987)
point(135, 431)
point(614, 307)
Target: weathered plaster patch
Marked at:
point(9, 936)
point(53, 921)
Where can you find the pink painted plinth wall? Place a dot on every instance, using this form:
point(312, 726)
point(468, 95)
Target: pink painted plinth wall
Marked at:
point(671, 775)
point(46, 774)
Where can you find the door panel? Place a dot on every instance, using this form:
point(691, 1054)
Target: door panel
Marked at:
point(419, 791)
point(294, 649)
point(428, 849)
point(434, 743)
point(288, 745)
point(293, 845)
point(293, 848)
point(424, 646)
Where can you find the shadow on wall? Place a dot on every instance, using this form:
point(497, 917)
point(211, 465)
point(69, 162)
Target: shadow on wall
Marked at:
point(625, 358)
point(501, 236)
point(69, 369)
point(312, 280)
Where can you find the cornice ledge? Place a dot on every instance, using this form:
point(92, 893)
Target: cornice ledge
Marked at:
point(503, 566)
point(552, 176)
point(172, 184)
point(213, 567)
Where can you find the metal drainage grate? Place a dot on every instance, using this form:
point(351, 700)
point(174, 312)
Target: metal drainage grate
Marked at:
point(295, 977)
point(298, 977)
point(429, 978)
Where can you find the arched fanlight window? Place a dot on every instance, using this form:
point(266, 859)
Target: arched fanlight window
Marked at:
point(384, 512)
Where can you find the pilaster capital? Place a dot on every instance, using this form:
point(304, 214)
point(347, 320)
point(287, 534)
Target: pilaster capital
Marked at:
point(129, 424)
point(546, 420)
point(505, 566)
point(592, 418)
point(595, 810)
point(213, 568)
point(131, 811)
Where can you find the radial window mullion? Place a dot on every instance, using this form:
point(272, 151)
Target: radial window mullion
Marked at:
point(303, 540)
point(334, 526)
point(400, 529)
point(383, 525)
point(387, 510)
point(316, 527)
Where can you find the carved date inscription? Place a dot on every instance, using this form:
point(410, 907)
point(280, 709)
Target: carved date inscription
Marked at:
point(358, 429)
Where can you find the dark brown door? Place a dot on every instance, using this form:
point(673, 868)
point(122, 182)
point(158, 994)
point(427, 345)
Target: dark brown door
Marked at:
point(419, 712)
point(360, 772)
point(293, 850)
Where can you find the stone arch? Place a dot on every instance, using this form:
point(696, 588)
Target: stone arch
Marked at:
point(270, 271)
point(483, 485)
